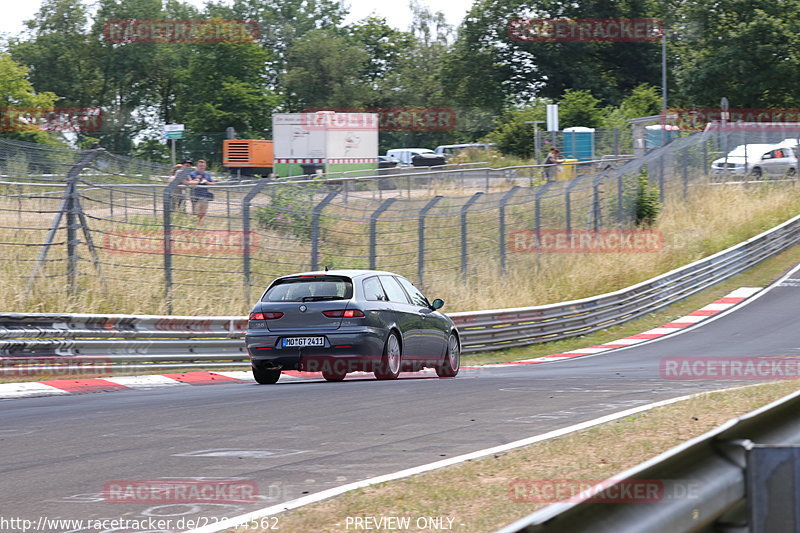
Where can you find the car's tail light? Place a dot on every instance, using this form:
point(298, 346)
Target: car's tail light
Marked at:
point(344, 313)
point(265, 316)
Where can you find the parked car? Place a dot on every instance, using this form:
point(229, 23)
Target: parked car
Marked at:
point(780, 161)
point(404, 155)
point(448, 150)
point(342, 321)
point(385, 161)
point(741, 159)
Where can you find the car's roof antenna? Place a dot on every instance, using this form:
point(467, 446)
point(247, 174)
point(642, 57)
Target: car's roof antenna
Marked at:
point(326, 268)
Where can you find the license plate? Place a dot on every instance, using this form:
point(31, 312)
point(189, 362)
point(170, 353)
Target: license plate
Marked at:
point(301, 342)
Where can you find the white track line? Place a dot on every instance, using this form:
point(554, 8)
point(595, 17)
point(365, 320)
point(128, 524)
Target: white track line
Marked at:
point(336, 491)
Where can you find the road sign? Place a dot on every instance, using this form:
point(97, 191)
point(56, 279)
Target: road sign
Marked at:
point(173, 127)
point(173, 134)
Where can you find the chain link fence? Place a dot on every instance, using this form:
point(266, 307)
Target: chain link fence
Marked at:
point(106, 228)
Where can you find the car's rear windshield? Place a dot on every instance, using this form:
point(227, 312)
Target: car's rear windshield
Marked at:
point(309, 289)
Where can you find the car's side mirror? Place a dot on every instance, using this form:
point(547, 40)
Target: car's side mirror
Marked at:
point(438, 303)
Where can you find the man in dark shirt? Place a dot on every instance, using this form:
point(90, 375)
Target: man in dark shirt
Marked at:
point(201, 178)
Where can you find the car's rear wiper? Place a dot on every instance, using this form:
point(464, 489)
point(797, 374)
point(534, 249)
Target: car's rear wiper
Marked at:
point(320, 298)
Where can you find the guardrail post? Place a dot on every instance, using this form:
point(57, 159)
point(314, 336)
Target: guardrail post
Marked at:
point(260, 184)
point(502, 225)
point(770, 468)
point(464, 241)
point(315, 214)
point(421, 236)
point(373, 237)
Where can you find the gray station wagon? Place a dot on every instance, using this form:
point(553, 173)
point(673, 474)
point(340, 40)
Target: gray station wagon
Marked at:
point(342, 321)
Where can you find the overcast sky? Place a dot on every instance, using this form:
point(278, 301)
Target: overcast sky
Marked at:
point(397, 13)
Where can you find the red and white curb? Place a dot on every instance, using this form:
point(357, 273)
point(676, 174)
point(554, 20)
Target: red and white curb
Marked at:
point(723, 304)
point(79, 386)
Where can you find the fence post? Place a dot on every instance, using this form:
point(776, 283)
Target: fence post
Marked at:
point(373, 237)
point(464, 210)
point(421, 236)
point(685, 161)
point(169, 190)
point(568, 203)
point(597, 212)
point(72, 237)
point(260, 184)
point(70, 208)
point(537, 209)
point(315, 213)
point(502, 226)
point(620, 198)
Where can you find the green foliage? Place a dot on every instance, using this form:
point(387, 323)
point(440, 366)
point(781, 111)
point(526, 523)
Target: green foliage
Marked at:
point(513, 136)
point(324, 71)
point(288, 212)
point(643, 101)
point(647, 204)
point(748, 52)
point(579, 108)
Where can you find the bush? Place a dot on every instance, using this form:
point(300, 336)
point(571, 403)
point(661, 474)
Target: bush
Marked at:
point(648, 205)
point(289, 211)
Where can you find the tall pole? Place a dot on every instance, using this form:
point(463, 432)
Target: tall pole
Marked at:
point(664, 71)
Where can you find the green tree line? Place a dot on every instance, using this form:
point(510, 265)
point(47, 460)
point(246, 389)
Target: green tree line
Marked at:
point(306, 57)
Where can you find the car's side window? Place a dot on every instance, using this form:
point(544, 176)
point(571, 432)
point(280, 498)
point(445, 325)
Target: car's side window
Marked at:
point(373, 290)
point(416, 297)
point(393, 290)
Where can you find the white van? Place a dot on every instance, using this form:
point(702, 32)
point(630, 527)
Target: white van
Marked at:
point(450, 149)
point(404, 155)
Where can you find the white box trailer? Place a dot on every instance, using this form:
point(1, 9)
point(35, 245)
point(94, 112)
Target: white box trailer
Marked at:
point(324, 141)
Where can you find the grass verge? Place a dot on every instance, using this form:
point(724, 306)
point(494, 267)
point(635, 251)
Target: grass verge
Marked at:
point(475, 495)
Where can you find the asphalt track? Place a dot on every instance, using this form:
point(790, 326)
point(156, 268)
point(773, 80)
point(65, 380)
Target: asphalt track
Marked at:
point(297, 438)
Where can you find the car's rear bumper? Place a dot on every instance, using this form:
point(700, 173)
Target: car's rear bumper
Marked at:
point(344, 350)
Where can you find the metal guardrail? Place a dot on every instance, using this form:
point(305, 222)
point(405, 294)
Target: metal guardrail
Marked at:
point(217, 341)
point(741, 480)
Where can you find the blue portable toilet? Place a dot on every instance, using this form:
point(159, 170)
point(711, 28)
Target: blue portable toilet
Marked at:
point(659, 134)
point(578, 143)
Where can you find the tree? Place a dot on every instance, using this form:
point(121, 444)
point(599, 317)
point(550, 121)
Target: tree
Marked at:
point(513, 135)
point(17, 95)
point(325, 71)
point(747, 51)
point(493, 68)
point(579, 108)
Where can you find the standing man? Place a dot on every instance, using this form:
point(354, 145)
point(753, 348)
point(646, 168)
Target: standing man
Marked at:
point(181, 172)
point(553, 158)
point(200, 193)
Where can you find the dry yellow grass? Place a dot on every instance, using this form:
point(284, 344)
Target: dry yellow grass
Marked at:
point(711, 219)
